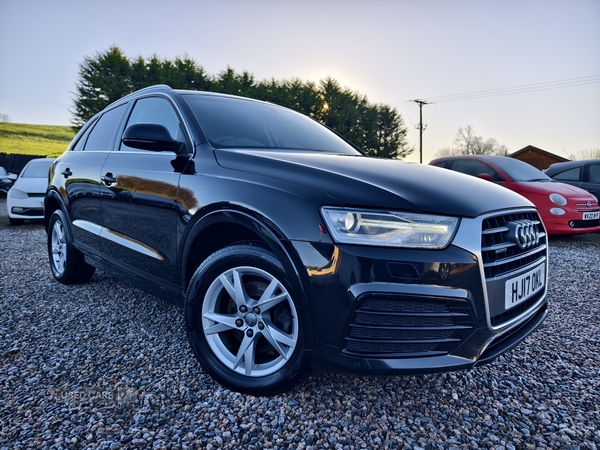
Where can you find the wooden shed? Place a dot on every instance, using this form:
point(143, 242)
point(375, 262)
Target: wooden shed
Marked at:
point(538, 158)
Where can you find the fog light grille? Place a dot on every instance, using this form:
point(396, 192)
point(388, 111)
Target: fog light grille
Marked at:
point(584, 223)
point(397, 326)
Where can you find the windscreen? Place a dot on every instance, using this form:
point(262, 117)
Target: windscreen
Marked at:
point(37, 169)
point(520, 171)
point(239, 123)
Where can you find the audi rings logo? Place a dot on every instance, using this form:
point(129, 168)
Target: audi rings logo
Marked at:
point(524, 233)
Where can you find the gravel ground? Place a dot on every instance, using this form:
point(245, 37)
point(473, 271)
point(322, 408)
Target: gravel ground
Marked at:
point(106, 366)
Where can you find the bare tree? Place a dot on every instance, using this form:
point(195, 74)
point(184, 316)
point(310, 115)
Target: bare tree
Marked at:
point(467, 142)
point(593, 153)
point(444, 151)
point(4, 118)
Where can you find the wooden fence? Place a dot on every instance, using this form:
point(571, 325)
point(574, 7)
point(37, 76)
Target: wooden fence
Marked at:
point(15, 163)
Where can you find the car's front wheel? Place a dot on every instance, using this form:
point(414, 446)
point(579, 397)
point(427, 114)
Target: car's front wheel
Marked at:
point(243, 323)
point(67, 263)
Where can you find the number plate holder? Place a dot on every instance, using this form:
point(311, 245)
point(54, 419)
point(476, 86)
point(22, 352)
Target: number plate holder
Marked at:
point(519, 289)
point(591, 215)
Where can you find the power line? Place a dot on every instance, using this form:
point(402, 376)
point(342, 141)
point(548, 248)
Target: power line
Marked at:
point(521, 89)
point(32, 101)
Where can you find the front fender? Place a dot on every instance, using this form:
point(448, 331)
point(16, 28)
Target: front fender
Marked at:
point(206, 236)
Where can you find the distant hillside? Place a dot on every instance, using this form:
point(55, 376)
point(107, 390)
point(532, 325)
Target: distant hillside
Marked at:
point(40, 140)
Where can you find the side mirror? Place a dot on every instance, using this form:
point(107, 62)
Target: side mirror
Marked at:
point(150, 136)
point(13, 176)
point(485, 176)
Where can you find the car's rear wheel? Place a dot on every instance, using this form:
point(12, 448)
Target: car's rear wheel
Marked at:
point(243, 323)
point(67, 263)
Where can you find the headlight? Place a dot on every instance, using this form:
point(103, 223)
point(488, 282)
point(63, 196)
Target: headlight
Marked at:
point(389, 229)
point(17, 193)
point(558, 199)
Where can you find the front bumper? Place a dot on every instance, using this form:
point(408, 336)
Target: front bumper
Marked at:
point(26, 208)
point(571, 224)
point(386, 311)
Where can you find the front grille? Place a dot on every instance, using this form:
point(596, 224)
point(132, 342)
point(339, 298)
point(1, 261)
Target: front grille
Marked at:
point(499, 250)
point(398, 326)
point(502, 257)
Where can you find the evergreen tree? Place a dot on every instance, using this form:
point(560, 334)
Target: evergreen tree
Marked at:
point(229, 82)
point(102, 80)
point(392, 140)
point(377, 129)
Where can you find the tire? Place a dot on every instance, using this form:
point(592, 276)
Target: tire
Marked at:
point(243, 323)
point(16, 222)
point(67, 263)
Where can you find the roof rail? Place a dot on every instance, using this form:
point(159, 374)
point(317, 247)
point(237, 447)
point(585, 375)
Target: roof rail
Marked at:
point(156, 87)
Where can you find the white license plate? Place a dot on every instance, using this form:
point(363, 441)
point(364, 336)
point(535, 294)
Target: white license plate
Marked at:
point(591, 215)
point(519, 289)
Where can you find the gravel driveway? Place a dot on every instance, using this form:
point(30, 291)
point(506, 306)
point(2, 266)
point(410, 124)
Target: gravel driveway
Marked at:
point(104, 365)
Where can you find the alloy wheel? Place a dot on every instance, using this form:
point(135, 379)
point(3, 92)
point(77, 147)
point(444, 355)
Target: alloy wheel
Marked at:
point(59, 247)
point(250, 321)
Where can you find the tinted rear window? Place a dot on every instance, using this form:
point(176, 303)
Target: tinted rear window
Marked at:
point(104, 131)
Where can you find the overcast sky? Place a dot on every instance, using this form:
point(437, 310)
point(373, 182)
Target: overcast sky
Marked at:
point(391, 51)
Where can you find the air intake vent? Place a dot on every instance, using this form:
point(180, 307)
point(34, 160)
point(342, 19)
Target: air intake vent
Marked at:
point(396, 326)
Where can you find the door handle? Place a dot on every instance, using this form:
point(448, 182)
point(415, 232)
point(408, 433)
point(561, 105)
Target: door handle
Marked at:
point(108, 179)
point(67, 172)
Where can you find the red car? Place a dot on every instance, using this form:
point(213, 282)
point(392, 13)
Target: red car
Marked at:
point(564, 209)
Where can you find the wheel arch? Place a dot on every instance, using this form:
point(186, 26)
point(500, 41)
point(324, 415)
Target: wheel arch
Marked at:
point(221, 228)
point(52, 202)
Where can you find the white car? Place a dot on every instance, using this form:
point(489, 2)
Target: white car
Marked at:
point(25, 199)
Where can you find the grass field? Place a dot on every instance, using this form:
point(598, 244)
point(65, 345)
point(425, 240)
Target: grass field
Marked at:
point(39, 140)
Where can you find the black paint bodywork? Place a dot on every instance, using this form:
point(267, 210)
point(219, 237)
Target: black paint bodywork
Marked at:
point(151, 217)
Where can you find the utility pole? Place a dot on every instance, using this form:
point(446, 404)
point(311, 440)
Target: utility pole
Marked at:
point(421, 127)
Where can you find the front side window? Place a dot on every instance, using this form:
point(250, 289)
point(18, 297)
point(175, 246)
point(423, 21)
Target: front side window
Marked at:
point(102, 135)
point(475, 168)
point(159, 111)
point(569, 175)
